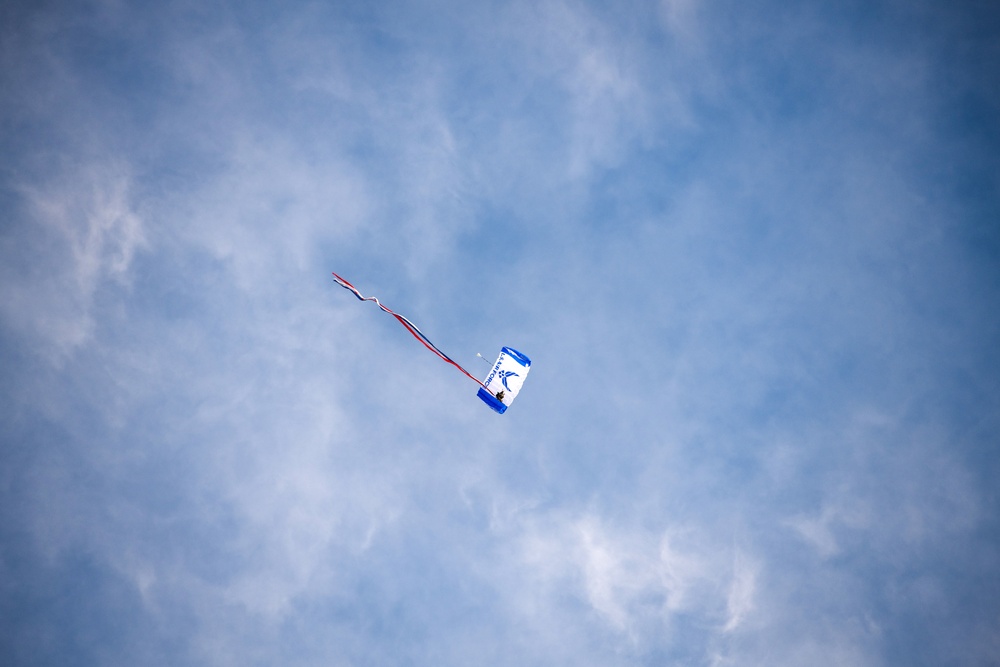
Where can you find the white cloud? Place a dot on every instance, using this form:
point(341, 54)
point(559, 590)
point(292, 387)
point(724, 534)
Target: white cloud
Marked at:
point(637, 582)
point(740, 601)
point(78, 233)
point(597, 68)
point(816, 530)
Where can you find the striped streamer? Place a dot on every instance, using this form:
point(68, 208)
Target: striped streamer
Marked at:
point(410, 326)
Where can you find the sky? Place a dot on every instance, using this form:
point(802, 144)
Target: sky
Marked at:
point(751, 248)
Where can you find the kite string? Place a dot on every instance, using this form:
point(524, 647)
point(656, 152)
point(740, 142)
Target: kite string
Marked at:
point(410, 326)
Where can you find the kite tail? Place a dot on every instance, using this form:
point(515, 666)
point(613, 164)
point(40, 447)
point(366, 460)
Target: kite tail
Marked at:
point(410, 326)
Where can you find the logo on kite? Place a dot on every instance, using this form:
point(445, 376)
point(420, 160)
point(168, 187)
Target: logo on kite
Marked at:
point(510, 364)
point(504, 375)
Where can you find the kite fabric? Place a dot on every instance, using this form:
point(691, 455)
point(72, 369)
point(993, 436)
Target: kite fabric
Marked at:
point(505, 379)
point(410, 326)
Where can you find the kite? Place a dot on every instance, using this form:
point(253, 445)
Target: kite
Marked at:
point(506, 375)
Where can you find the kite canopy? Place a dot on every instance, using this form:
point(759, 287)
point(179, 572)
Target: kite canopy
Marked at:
point(505, 379)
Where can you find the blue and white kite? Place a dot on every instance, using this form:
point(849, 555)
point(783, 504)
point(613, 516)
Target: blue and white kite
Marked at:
point(505, 378)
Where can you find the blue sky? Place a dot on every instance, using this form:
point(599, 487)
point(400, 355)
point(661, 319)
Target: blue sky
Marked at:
point(750, 247)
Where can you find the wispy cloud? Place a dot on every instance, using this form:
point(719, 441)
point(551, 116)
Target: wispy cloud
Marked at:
point(740, 601)
point(76, 233)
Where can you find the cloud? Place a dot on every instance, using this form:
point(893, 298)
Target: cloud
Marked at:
point(740, 601)
point(641, 584)
point(77, 234)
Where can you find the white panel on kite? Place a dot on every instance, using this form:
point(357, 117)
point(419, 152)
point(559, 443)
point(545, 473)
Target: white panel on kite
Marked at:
point(505, 379)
